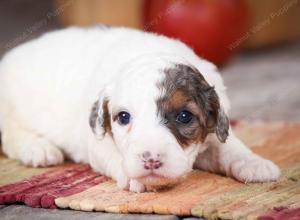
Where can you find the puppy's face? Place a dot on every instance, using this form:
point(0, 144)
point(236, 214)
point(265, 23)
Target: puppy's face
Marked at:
point(159, 121)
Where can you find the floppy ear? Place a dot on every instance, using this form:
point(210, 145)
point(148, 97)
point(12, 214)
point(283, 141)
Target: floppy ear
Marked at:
point(217, 120)
point(100, 117)
point(222, 126)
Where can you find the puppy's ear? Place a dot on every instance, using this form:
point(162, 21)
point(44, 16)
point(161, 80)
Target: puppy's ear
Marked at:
point(100, 118)
point(217, 120)
point(222, 126)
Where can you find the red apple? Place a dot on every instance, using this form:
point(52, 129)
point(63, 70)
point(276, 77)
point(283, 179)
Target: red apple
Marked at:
point(213, 28)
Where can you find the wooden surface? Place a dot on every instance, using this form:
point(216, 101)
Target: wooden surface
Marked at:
point(22, 212)
point(265, 84)
point(112, 12)
point(272, 22)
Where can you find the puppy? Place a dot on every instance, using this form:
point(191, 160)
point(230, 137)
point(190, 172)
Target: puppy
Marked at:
point(138, 107)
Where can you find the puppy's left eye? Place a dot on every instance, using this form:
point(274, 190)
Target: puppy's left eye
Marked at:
point(123, 118)
point(184, 117)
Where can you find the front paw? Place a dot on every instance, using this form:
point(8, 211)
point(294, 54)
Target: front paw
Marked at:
point(123, 182)
point(254, 169)
point(41, 154)
point(136, 186)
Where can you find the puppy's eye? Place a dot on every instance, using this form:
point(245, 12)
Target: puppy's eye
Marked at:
point(123, 118)
point(184, 117)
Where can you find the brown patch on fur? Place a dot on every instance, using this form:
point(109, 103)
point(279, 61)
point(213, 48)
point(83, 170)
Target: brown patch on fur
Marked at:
point(186, 89)
point(96, 121)
point(178, 99)
point(106, 118)
point(115, 116)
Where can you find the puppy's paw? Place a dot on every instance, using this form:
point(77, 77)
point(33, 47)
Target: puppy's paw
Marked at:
point(41, 154)
point(254, 169)
point(136, 186)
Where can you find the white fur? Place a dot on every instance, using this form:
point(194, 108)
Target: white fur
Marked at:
point(48, 86)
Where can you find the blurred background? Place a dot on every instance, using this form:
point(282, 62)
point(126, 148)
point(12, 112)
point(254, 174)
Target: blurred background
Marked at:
point(255, 43)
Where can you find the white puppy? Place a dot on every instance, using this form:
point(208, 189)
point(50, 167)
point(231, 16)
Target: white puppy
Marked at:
point(140, 108)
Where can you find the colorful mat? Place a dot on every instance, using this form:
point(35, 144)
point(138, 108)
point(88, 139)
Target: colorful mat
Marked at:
point(200, 194)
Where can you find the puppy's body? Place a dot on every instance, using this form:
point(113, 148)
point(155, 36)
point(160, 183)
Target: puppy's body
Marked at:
point(48, 88)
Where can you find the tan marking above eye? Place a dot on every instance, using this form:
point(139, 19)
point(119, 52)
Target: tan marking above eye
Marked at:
point(178, 99)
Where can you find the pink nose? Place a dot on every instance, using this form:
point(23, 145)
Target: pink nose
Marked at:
point(149, 162)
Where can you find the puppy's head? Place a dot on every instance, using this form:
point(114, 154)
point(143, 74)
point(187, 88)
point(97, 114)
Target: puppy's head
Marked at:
point(159, 121)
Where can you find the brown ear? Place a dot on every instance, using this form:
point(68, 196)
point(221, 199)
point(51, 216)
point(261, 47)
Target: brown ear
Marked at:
point(222, 126)
point(217, 120)
point(99, 119)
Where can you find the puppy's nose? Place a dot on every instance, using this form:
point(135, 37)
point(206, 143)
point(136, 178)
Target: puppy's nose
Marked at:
point(149, 162)
point(152, 164)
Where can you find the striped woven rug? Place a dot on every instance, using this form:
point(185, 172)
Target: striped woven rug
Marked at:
point(202, 194)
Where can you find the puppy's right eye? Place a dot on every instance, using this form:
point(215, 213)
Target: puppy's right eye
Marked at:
point(123, 118)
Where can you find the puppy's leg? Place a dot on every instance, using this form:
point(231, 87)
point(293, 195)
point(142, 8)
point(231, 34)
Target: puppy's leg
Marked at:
point(234, 159)
point(105, 158)
point(32, 149)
